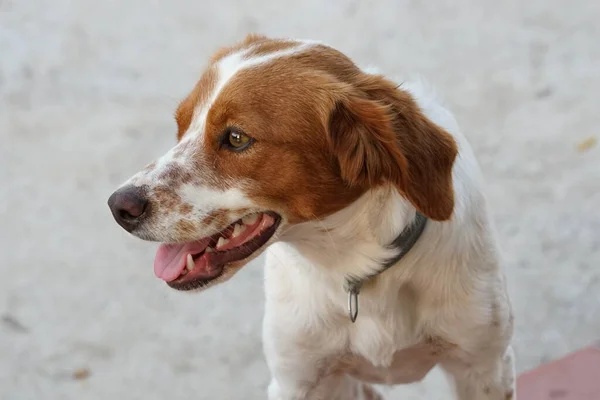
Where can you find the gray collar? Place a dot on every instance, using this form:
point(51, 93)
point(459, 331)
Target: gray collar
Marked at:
point(404, 242)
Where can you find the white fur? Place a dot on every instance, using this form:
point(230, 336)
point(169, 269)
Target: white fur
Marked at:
point(207, 199)
point(448, 287)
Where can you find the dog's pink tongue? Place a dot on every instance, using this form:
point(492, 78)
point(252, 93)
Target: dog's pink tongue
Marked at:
point(171, 259)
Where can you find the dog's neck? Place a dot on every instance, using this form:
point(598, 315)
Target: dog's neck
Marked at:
point(355, 242)
point(403, 243)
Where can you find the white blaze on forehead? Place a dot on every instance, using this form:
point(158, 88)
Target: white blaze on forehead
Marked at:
point(228, 67)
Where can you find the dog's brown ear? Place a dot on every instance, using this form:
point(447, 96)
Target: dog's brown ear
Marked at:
point(382, 136)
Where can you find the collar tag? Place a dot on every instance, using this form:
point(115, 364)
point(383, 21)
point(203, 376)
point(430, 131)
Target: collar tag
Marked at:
point(405, 241)
point(353, 303)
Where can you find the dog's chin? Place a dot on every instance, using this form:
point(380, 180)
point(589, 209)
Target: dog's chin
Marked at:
point(200, 264)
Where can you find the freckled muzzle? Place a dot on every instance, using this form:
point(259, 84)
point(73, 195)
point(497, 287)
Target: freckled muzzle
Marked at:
point(154, 213)
point(201, 261)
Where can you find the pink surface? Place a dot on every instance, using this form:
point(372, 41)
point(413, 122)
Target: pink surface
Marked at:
point(574, 377)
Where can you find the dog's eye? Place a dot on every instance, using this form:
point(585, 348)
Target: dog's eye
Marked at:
point(236, 140)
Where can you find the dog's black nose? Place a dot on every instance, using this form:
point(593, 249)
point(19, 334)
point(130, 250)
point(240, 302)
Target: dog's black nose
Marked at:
point(128, 206)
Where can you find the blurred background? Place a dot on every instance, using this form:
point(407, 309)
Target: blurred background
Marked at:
point(87, 93)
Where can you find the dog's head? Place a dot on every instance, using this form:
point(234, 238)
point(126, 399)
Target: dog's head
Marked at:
point(276, 133)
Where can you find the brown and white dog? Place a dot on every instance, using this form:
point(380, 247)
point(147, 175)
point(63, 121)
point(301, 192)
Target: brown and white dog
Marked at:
point(287, 146)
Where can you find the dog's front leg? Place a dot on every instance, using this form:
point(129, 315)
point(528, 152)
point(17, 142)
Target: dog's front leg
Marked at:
point(334, 387)
point(484, 378)
point(295, 369)
point(298, 373)
point(303, 367)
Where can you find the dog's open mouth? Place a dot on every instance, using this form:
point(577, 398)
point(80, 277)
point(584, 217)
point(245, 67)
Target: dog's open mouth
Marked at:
point(195, 264)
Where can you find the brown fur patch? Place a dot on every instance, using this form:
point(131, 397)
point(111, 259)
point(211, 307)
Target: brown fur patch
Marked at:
point(185, 209)
point(218, 218)
point(185, 228)
point(174, 174)
point(165, 197)
point(208, 220)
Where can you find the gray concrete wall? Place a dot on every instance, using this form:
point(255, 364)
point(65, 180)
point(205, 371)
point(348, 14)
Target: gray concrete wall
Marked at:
point(87, 92)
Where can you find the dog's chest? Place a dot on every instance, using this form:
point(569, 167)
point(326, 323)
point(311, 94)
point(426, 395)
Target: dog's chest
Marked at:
point(385, 348)
point(407, 365)
point(387, 344)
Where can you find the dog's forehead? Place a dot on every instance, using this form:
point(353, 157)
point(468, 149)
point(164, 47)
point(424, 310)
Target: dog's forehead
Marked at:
point(192, 112)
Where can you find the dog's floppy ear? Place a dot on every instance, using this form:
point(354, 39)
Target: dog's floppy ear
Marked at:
point(378, 134)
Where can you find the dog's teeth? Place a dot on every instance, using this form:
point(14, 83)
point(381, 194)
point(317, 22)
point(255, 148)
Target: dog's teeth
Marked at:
point(209, 250)
point(190, 262)
point(222, 242)
point(237, 229)
point(250, 219)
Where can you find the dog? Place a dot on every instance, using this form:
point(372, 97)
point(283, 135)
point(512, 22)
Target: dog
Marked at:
point(381, 255)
